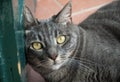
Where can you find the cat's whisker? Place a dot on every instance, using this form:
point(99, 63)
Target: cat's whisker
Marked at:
point(42, 61)
point(82, 60)
point(84, 64)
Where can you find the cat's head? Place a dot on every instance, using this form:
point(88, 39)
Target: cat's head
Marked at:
point(50, 43)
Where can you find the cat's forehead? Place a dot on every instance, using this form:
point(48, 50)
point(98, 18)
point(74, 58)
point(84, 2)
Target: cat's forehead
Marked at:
point(48, 26)
point(51, 24)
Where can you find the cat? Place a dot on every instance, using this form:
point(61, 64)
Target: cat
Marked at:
point(61, 51)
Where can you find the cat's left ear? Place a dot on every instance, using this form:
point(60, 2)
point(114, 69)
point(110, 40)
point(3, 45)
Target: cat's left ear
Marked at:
point(64, 16)
point(28, 17)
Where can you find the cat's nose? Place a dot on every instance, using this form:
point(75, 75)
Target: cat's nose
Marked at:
point(52, 53)
point(53, 56)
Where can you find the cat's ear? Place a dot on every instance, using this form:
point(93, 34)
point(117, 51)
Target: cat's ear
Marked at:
point(64, 16)
point(28, 18)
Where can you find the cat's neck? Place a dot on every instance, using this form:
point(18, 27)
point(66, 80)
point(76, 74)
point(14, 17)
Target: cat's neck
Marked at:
point(81, 43)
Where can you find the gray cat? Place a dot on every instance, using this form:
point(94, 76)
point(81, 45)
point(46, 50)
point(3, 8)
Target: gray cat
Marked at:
point(63, 52)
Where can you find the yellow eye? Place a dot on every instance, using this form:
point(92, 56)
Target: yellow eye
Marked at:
point(61, 39)
point(37, 45)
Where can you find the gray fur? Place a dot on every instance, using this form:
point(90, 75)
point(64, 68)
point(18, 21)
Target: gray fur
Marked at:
point(91, 52)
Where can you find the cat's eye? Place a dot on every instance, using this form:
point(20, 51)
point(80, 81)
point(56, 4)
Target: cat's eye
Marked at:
point(37, 45)
point(61, 39)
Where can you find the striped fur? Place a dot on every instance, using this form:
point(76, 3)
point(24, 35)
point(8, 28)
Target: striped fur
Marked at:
point(91, 52)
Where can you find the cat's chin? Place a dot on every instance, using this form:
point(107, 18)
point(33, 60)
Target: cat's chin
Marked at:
point(56, 66)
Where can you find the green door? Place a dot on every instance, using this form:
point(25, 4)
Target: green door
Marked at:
point(12, 60)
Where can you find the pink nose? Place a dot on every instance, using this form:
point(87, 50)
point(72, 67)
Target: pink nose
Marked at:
point(53, 57)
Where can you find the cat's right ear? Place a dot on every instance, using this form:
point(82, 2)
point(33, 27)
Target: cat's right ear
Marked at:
point(28, 18)
point(64, 16)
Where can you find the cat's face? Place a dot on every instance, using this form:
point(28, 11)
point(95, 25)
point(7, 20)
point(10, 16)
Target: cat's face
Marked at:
point(52, 43)
point(49, 44)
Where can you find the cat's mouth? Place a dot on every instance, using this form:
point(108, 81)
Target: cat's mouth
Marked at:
point(56, 66)
point(52, 64)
